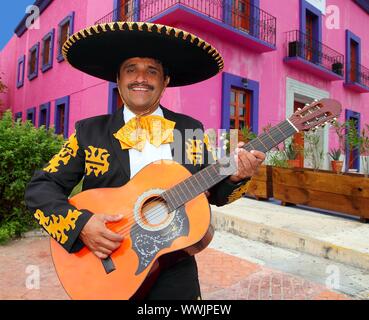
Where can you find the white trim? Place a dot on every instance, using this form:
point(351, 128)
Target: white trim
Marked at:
point(297, 130)
point(307, 94)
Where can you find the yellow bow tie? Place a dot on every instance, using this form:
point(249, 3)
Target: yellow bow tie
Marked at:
point(156, 129)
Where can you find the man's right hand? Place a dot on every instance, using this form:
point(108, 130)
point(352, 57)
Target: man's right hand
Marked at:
point(98, 238)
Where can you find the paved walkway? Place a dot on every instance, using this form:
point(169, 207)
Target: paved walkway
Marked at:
point(222, 276)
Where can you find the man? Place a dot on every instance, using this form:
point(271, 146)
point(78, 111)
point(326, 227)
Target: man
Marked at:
point(144, 59)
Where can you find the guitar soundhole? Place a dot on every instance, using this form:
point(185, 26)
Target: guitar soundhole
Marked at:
point(154, 212)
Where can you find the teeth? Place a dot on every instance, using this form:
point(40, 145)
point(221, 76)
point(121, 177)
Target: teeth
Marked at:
point(140, 89)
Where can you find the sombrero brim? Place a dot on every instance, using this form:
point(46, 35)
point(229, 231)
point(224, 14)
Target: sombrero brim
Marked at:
point(100, 49)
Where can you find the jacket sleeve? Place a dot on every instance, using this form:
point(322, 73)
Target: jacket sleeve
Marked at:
point(48, 191)
point(225, 191)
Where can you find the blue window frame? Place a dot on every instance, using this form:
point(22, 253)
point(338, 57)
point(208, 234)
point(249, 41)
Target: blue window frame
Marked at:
point(65, 30)
point(308, 11)
point(135, 9)
point(233, 81)
point(44, 115)
point(33, 61)
point(18, 115)
point(352, 39)
point(62, 116)
point(364, 4)
point(47, 53)
point(20, 71)
point(352, 115)
point(31, 115)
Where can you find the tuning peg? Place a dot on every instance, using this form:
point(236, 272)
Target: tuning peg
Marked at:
point(316, 100)
point(298, 109)
point(306, 104)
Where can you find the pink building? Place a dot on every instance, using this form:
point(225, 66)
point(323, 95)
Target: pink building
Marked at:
point(279, 55)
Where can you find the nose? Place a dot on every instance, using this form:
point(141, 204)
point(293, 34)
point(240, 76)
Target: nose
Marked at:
point(141, 77)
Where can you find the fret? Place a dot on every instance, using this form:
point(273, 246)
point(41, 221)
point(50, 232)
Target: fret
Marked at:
point(225, 166)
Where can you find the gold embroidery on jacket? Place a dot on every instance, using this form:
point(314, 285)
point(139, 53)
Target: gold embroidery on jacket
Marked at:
point(194, 151)
point(96, 161)
point(56, 226)
point(238, 193)
point(68, 150)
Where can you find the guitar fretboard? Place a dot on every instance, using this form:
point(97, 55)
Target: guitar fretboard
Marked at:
point(224, 167)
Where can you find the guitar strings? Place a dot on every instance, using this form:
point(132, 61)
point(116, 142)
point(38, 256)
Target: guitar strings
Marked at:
point(157, 211)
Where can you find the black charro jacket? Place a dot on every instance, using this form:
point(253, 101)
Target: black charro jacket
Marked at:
point(94, 154)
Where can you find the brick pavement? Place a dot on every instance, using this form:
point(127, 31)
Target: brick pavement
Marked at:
point(222, 276)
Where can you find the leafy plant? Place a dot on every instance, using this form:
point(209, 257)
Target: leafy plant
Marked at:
point(335, 154)
point(313, 151)
point(23, 149)
point(291, 151)
point(247, 134)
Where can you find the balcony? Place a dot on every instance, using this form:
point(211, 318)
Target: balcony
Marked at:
point(358, 79)
point(313, 56)
point(245, 25)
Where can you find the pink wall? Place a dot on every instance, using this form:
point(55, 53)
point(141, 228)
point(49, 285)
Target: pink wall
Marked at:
point(270, 70)
point(202, 100)
point(88, 95)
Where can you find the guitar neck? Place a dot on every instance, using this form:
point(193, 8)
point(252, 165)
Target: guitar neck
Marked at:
point(224, 167)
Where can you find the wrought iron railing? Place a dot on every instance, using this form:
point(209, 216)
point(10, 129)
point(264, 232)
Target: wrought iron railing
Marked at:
point(245, 17)
point(360, 75)
point(301, 45)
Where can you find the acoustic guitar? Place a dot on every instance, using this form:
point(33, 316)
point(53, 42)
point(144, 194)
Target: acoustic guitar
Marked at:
point(166, 217)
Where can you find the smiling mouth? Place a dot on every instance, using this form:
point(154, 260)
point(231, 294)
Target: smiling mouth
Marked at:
point(140, 89)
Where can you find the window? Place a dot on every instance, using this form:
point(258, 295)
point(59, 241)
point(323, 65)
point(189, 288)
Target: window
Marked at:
point(47, 51)
point(353, 45)
point(62, 116)
point(65, 30)
point(240, 102)
point(20, 71)
point(33, 61)
point(352, 155)
point(241, 10)
point(44, 115)
point(31, 115)
point(17, 116)
point(126, 10)
point(240, 109)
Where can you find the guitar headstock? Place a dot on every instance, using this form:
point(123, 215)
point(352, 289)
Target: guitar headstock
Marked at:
point(316, 114)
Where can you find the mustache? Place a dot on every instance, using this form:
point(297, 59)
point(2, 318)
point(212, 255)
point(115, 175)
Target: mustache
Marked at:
point(137, 84)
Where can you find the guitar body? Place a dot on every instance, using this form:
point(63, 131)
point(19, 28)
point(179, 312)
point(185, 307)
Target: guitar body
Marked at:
point(154, 237)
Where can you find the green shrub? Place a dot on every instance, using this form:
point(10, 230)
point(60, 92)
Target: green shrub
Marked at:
point(23, 149)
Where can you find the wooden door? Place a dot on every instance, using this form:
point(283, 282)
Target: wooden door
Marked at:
point(353, 61)
point(309, 37)
point(241, 14)
point(124, 9)
point(298, 138)
point(240, 108)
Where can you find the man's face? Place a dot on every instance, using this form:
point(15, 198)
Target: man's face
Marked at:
point(141, 82)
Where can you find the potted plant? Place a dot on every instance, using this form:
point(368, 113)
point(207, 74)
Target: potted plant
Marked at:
point(336, 163)
point(291, 153)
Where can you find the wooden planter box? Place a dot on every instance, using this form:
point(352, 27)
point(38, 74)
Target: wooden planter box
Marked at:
point(260, 186)
point(346, 193)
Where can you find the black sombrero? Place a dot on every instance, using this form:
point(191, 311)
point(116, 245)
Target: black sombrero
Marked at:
point(100, 49)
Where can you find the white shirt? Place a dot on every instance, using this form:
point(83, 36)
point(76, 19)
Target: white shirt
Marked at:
point(150, 153)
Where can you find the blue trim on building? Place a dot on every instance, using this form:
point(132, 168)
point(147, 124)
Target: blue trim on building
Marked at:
point(229, 81)
point(351, 36)
point(349, 114)
point(58, 102)
point(68, 19)
point(306, 7)
point(46, 121)
point(21, 27)
point(363, 4)
point(112, 98)
point(136, 9)
point(18, 115)
point(50, 36)
point(31, 115)
point(20, 71)
point(34, 74)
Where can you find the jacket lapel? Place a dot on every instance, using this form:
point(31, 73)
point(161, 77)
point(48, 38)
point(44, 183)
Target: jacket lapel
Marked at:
point(170, 115)
point(117, 122)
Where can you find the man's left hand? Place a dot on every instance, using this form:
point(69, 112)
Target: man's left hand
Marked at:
point(248, 163)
